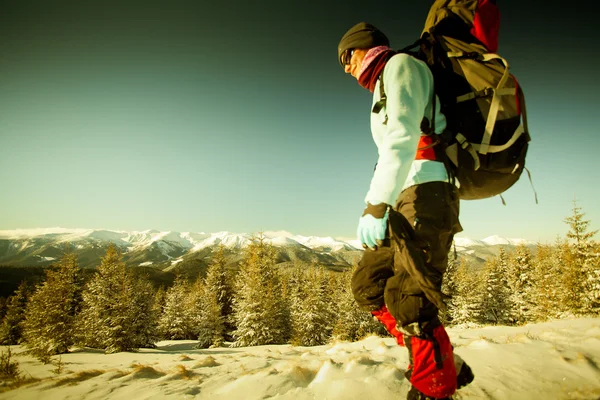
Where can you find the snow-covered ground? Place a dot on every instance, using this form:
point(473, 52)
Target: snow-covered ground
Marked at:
point(552, 360)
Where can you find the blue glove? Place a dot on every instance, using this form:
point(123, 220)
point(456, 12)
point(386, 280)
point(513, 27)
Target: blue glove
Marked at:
point(372, 225)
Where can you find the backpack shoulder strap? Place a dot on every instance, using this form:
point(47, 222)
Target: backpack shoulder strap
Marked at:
point(382, 97)
point(427, 127)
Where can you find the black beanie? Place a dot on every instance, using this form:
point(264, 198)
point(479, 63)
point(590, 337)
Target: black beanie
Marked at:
point(361, 36)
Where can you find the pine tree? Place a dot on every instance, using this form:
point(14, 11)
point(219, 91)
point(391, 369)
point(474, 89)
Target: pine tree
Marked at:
point(546, 294)
point(520, 282)
point(259, 308)
point(591, 295)
point(496, 305)
point(218, 298)
point(11, 329)
point(450, 288)
point(279, 306)
point(205, 315)
point(312, 325)
point(196, 311)
point(571, 278)
point(584, 275)
point(115, 310)
point(50, 313)
point(175, 323)
point(350, 323)
point(285, 312)
point(144, 313)
point(466, 304)
point(294, 282)
point(578, 233)
point(159, 300)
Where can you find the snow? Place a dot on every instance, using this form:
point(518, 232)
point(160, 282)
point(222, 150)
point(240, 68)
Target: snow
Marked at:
point(499, 240)
point(315, 242)
point(194, 237)
point(229, 240)
point(35, 232)
point(42, 258)
point(466, 242)
point(552, 360)
point(352, 242)
point(278, 234)
point(281, 241)
point(147, 238)
point(173, 237)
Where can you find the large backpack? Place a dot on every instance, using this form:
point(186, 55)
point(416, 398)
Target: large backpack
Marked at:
point(486, 139)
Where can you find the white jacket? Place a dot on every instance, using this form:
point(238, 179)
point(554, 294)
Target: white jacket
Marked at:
point(408, 84)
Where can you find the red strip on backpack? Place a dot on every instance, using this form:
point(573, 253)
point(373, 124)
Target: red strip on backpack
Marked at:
point(486, 24)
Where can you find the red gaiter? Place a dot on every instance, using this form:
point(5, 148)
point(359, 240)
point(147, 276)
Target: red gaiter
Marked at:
point(432, 369)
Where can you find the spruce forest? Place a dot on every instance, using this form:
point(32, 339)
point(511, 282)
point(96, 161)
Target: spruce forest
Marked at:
point(260, 303)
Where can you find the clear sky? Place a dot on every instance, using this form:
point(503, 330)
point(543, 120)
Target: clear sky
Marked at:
point(235, 115)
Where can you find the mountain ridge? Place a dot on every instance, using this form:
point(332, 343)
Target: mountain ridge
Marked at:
point(165, 249)
point(162, 255)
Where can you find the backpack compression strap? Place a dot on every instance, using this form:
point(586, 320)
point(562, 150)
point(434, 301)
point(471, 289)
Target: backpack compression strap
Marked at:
point(500, 90)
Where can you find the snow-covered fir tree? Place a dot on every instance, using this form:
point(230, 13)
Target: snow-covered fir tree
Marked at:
point(294, 280)
point(571, 279)
point(117, 308)
point(546, 295)
point(496, 305)
point(331, 299)
point(520, 279)
point(175, 322)
point(259, 308)
point(219, 296)
point(205, 315)
point(50, 313)
point(10, 329)
point(280, 306)
point(468, 291)
point(449, 287)
point(585, 263)
point(591, 294)
point(158, 303)
point(285, 309)
point(350, 323)
point(312, 319)
point(579, 234)
point(145, 316)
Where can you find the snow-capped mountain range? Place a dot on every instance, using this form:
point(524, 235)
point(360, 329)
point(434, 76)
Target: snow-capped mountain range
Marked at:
point(165, 250)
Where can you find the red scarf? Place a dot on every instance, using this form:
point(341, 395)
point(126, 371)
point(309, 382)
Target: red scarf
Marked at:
point(373, 64)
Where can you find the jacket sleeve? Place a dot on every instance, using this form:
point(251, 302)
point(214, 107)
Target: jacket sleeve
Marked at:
point(408, 85)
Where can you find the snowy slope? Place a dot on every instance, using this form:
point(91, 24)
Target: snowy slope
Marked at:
point(556, 360)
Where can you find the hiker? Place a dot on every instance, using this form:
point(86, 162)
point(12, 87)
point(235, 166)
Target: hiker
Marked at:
point(411, 214)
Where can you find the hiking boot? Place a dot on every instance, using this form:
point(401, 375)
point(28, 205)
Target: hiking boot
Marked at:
point(465, 376)
point(414, 394)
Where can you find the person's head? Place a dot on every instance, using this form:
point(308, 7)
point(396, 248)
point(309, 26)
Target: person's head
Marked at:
point(355, 44)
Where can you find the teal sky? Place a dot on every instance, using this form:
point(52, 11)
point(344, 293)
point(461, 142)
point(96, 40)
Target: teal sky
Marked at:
point(198, 116)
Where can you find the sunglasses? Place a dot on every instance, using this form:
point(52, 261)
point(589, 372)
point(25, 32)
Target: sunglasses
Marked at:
point(347, 56)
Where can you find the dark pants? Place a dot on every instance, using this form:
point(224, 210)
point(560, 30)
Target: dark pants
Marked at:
point(405, 275)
